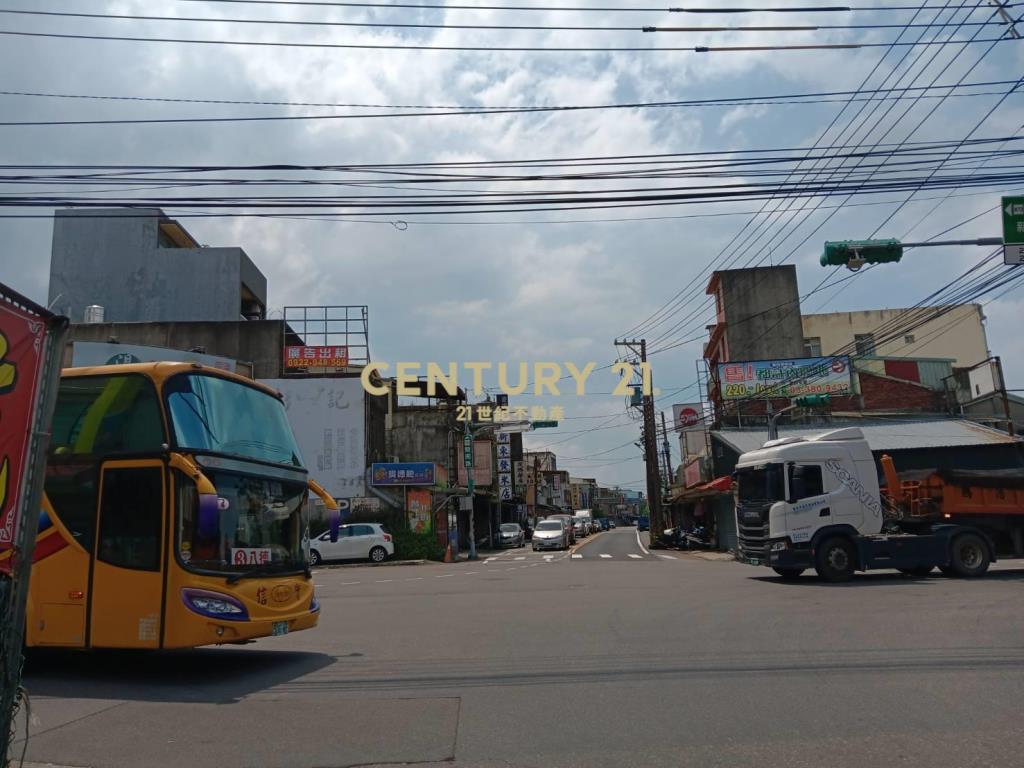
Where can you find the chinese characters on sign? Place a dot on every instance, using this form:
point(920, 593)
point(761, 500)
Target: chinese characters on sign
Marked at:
point(250, 556)
point(505, 466)
point(501, 414)
point(315, 357)
point(785, 378)
point(416, 473)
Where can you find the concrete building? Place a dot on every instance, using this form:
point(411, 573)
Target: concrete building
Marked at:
point(757, 315)
point(959, 334)
point(141, 266)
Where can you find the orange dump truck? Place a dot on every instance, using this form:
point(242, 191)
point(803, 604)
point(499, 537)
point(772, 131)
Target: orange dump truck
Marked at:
point(991, 500)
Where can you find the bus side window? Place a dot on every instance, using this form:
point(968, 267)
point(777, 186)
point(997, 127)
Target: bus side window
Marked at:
point(131, 516)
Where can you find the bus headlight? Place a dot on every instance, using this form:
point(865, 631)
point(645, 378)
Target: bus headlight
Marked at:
point(214, 605)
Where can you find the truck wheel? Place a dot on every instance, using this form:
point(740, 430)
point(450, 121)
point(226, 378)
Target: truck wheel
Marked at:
point(969, 556)
point(835, 559)
point(789, 573)
point(918, 573)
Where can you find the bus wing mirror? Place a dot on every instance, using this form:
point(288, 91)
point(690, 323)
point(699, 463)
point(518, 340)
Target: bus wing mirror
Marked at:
point(333, 509)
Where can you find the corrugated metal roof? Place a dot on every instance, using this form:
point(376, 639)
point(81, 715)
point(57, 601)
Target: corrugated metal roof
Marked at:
point(884, 435)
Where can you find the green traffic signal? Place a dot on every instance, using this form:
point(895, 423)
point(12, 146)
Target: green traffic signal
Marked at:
point(840, 253)
point(811, 401)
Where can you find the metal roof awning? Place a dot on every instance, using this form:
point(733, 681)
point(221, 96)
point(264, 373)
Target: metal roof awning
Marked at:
point(720, 486)
point(883, 434)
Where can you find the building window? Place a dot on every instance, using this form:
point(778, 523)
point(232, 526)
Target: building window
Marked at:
point(812, 346)
point(865, 343)
point(908, 339)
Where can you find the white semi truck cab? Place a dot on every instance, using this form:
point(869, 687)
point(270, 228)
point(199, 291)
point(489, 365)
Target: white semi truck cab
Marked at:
point(815, 502)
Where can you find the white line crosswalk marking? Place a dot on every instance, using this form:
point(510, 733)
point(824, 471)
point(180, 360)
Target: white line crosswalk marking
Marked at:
point(667, 557)
point(577, 557)
point(520, 558)
point(606, 556)
point(636, 557)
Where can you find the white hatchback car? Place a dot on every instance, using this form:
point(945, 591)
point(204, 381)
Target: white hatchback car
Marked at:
point(356, 541)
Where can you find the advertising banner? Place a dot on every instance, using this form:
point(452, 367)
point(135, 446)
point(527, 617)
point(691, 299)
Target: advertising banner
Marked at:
point(327, 417)
point(315, 357)
point(785, 378)
point(408, 473)
point(418, 507)
point(21, 351)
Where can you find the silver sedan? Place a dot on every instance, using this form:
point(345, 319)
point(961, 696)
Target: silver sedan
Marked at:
point(550, 534)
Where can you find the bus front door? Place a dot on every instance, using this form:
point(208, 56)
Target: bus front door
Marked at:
point(127, 576)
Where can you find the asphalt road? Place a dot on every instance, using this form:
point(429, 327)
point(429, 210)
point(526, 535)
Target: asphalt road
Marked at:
point(551, 661)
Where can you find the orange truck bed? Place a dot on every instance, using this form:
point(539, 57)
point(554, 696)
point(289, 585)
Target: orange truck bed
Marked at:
point(941, 492)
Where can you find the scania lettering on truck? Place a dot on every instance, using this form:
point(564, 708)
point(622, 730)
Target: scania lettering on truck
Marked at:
point(815, 502)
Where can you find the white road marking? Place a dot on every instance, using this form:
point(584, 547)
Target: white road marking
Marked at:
point(577, 557)
point(446, 576)
point(549, 557)
point(416, 578)
point(667, 557)
point(607, 557)
point(640, 543)
point(520, 558)
point(383, 581)
point(348, 583)
point(635, 557)
point(470, 573)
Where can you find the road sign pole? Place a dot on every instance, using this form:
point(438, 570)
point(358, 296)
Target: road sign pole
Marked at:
point(467, 445)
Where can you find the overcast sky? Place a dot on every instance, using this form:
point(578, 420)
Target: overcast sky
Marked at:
point(518, 287)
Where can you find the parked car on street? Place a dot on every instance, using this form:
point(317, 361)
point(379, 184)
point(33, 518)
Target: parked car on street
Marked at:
point(611, 524)
point(581, 528)
point(605, 523)
point(511, 535)
point(568, 522)
point(550, 534)
point(357, 541)
point(643, 523)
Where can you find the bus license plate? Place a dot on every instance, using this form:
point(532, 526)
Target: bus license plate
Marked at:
point(279, 628)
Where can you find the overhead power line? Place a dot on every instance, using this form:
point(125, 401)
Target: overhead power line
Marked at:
point(486, 48)
point(723, 9)
point(519, 27)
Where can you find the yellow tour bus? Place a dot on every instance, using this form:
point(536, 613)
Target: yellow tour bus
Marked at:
point(175, 513)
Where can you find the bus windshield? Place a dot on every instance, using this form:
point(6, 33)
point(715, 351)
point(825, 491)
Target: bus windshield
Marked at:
point(262, 525)
point(209, 413)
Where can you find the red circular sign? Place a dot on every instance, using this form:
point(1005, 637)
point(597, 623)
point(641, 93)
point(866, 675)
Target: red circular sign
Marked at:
point(688, 417)
point(838, 365)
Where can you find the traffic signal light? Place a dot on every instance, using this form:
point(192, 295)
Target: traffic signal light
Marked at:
point(811, 401)
point(854, 253)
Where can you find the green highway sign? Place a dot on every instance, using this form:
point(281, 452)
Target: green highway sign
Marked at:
point(1013, 230)
point(545, 424)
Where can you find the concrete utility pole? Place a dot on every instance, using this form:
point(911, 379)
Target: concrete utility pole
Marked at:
point(650, 443)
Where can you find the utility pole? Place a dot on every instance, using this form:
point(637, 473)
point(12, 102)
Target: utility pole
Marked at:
point(1006, 17)
point(650, 439)
point(668, 452)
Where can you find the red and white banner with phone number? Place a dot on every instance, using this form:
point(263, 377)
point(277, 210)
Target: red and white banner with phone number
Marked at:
point(21, 348)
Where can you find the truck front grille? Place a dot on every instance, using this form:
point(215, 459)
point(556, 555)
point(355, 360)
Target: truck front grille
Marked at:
point(752, 532)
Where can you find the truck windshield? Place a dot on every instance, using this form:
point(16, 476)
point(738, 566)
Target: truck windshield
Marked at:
point(210, 413)
point(764, 483)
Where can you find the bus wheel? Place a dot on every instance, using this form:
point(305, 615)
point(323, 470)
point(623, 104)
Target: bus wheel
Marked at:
point(789, 573)
point(835, 559)
point(378, 554)
point(969, 556)
point(314, 557)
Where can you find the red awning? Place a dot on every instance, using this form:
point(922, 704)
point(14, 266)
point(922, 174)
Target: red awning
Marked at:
point(716, 487)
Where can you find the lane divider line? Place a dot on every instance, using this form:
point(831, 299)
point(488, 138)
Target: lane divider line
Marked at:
point(640, 543)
